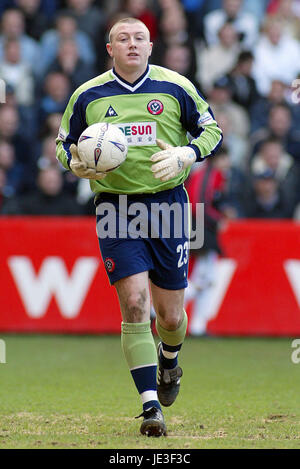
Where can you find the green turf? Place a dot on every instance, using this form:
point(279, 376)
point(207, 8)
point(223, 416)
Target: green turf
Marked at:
point(76, 392)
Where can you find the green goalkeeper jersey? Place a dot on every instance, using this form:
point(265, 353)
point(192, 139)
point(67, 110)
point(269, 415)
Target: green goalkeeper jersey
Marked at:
point(160, 104)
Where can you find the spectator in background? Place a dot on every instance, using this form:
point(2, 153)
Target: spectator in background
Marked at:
point(260, 109)
point(266, 199)
point(36, 22)
point(66, 28)
point(246, 24)
point(69, 63)
point(57, 91)
point(205, 185)
point(48, 153)
point(238, 147)
point(284, 11)
point(173, 31)
point(277, 57)
point(27, 114)
point(243, 86)
point(273, 157)
point(3, 196)
point(91, 18)
point(217, 60)
point(25, 150)
point(178, 58)
point(141, 9)
point(13, 27)
point(195, 11)
point(48, 199)
point(17, 73)
point(47, 159)
point(12, 170)
point(280, 127)
point(50, 126)
point(220, 99)
point(234, 179)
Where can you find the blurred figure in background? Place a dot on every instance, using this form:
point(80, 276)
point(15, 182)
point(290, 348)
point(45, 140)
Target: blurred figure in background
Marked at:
point(266, 200)
point(3, 196)
point(24, 149)
point(143, 11)
point(17, 73)
point(13, 171)
point(69, 63)
point(57, 91)
point(220, 98)
point(279, 126)
point(178, 58)
point(277, 57)
point(260, 109)
point(90, 17)
point(13, 27)
point(205, 185)
point(243, 86)
point(47, 199)
point(273, 157)
point(173, 30)
point(238, 147)
point(218, 59)
point(65, 28)
point(245, 24)
point(287, 13)
point(50, 126)
point(36, 22)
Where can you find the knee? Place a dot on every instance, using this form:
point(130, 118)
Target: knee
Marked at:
point(170, 320)
point(136, 307)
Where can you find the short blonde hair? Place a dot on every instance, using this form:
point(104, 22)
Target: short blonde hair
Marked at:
point(128, 20)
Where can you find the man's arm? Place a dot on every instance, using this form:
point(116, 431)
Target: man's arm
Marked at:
point(198, 119)
point(72, 125)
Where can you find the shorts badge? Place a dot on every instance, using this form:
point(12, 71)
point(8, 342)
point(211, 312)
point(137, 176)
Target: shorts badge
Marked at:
point(109, 265)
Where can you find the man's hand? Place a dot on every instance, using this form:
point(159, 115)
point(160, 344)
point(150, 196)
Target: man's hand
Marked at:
point(80, 169)
point(171, 161)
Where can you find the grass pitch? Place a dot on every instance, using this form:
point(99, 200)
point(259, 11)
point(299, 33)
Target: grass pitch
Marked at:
point(76, 392)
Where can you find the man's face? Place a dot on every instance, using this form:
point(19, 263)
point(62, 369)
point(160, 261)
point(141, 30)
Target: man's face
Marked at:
point(130, 47)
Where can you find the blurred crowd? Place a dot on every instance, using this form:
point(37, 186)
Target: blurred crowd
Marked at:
point(243, 56)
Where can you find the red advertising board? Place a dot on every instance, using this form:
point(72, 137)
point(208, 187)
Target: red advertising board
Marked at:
point(53, 280)
point(52, 277)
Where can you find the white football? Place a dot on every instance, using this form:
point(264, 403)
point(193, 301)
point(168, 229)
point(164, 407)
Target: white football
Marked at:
point(102, 146)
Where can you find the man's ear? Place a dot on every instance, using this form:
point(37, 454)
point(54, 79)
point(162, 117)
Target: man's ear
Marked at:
point(109, 49)
point(151, 45)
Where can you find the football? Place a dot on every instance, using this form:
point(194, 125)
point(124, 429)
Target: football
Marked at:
point(102, 146)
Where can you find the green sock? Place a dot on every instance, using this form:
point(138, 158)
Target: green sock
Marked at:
point(171, 342)
point(139, 349)
point(176, 337)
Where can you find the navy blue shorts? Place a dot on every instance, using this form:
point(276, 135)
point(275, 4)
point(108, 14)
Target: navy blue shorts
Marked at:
point(147, 232)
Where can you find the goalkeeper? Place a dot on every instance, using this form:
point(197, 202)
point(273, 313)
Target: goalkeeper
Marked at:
point(156, 108)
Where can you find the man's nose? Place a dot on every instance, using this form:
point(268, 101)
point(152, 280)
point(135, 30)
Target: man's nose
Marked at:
point(132, 42)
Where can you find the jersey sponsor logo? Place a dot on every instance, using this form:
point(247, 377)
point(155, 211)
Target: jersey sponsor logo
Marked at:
point(139, 133)
point(155, 107)
point(110, 112)
point(205, 119)
point(62, 134)
point(109, 265)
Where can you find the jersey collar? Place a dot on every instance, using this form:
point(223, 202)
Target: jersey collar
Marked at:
point(132, 86)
